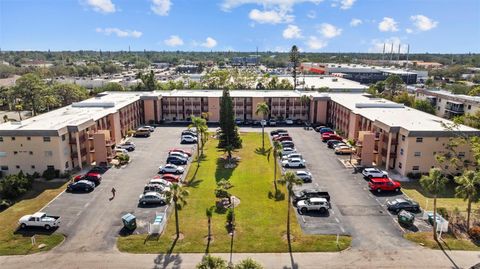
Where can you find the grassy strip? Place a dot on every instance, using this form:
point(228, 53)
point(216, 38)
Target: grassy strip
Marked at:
point(12, 243)
point(448, 242)
point(261, 221)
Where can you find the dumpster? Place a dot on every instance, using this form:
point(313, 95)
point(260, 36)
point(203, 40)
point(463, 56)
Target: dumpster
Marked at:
point(129, 221)
point(406, 218)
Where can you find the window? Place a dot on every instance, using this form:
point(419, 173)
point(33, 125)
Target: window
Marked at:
point(439, 100)
point(399, 165)
point(48, 153)
point(461, 154)
point(416, 168)
point(66, 164)
point(403, 138)
point(417, 154)
point(469, 106)
point(29, 138)
point(17, 166)
point(63, 137)
point(438, 108)
point(419, 139)
point(434, 153)
point(1, 138)
point(13, 138)
point(46, 139)
point(15, 152)
point(437, 138)
point(401, 151)
point(50, 167)
point(33, 166)
point(4, 167)
point(3, 154)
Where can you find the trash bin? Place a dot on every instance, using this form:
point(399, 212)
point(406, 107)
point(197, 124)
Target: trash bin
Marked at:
point(405, 218)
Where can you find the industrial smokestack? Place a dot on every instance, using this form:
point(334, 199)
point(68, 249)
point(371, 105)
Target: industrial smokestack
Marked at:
point(391, 53)
point(398, 55)
point(383, 53)
point(408, 51)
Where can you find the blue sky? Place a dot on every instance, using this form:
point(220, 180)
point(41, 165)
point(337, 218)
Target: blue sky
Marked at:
point(443, 26)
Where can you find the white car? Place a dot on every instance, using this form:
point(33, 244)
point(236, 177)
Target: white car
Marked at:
point(129, 146)
point(171, 169)
point(292, 155)
point(152, 198)
point(179, 154)
point(314, 203)
point(39, 219)
point(341, 144)
point(374, 172)
point(188, 139)
point(304, 175)
point(272, 123)
point(286, 151)
point(293, 162)
point(289, 122)
point(150, 128)
point(160, 181)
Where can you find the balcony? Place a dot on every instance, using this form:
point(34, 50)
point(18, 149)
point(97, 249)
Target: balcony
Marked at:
point(454, 108)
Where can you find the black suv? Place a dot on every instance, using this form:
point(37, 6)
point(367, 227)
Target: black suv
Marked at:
point(275, 132)
point(309, 193)
point(176, 160)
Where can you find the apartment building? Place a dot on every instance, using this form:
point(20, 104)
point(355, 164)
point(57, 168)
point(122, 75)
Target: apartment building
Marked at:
point(388, 134)
point(449, 105)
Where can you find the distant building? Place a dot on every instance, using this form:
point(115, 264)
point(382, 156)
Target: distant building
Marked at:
point(161, 65)
point(251, 60)
point(333, 83)
point(188, 68)
point(36, 64)
point(449, 105)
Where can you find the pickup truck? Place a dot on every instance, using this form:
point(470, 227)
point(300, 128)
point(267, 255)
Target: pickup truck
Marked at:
point(39, 219)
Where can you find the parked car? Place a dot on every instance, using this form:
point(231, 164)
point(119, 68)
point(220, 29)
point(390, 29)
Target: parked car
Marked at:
point(81, 186)
point(318, 128)
point(287, 144)
point(331, 143)
point(189, 153)
point(152, 198)
point(313, 204)
point(155, 188)
point(294, 163)
point(238, 121)
point(93, 177)
point(325, 130)
point(39, 219)
point(159, 181)
point(189, 132)
point(292, 155)
point(188, 139)
point(272, 123)
point(287, 150)
point(129, 146)
point(142, 132)
point(119, 151)
point(344, 150)
point(275, 132)
point(380, 184)
point(176, 160)
point(304, 175)
point(289, 122)
point(298, 122)
point(171, 177)
point(330, 136)
point(171, 169)
point(374, 172)
point(278, 135)
point(283, 138)
point(341, 144)
point(99, 169)
point(150, 128)
point(403, 204)
point(309, 193)
point(179, 154)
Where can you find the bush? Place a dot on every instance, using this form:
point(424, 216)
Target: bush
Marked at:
point(443, 212)
point(230, 216)
point(248, 263)
point(412, 175)
point(212, 262)
point(123, 159)
point(12, 186)
point(49, 174)
point(4, 204)
point(474, 233)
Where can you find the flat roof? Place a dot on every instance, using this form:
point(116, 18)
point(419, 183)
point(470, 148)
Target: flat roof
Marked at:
point(332, 82)
point(452, 95)
point(233, 93)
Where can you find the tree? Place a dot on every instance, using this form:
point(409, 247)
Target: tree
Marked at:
point(272, 83)
point(429, 82)
point(458, 88)
point(30, 88)
point(248, 263)
point(5, 118)
point(434, 183)
point(393, 83)
point(285, 85)
point(290, 179)
point(209, 214)
point(404, 98)
point(198, 123)
point(424, 106)
point(277, 148)
point(294, 58)
point(178, 195)
point(149, 82)
point(69, 93)
point(229, 132)
point(19, 109)
point(469, 189)
point(212, 262)
point(305, 101)
point(475, 91)
point(262, 108)
point(111, 87)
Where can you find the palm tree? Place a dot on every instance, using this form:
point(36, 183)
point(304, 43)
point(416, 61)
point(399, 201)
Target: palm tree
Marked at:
point(229, 149)
point(262, 108)
point(209, 214)
point(203, 136)
point(294, 59)
point(305, 100)
point(198, 123)
point(178, 194)
point(277, 148)
point(434, 183)
point(469, 189)
point(290, 179)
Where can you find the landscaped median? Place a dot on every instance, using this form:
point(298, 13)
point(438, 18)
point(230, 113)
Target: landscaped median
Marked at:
point(260, 220)
point(447, 242)
point(13, 243)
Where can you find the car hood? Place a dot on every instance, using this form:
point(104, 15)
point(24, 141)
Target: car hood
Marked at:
point(25, 218)
point(301, 203)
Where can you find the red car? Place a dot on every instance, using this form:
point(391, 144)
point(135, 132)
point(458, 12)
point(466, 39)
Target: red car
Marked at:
point(182, 151)
point(282, 138)
point(93, 177)
point(171, 177)
point(380, 184)
point(330, 136)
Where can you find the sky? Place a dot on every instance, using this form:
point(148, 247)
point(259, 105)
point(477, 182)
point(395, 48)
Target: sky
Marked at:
point(435, 26)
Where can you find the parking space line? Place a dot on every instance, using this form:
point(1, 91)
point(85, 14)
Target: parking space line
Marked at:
point(341, 228)
point(303, 219)
point(87, 204)
point(79, 212)
point(333, 212)
point(45, 206)
point(337, 220)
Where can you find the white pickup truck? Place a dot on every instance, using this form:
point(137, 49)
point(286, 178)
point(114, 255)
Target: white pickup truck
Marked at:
point(39, 219)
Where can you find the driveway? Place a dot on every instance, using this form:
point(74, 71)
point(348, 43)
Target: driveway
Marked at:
point(91, 222)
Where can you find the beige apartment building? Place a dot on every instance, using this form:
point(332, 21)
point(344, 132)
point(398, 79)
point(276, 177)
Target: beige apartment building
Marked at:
point(388, 134)
point(449, 105)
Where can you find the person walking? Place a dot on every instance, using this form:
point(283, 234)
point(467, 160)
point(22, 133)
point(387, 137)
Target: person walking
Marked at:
point(113, 193)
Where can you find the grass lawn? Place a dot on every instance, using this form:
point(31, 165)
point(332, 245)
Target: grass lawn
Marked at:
point(34, 200)
point(446, 199)
point(448, 242)
point(260, 221)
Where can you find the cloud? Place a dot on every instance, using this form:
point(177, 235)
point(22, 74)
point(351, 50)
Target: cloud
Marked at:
point(173, 41)
point(270, 17)
point(209, 43)
point(346, 4)
point(329, 30)
point(314, 43)
point(102, 6)
point(286, 5)
point(388, 25)
point(377, 45)
point(119, 32)
point(423, 23)
point(355, 22)
point(409, 31)
point(312, 14)
point(291, 32)
point(161, 7)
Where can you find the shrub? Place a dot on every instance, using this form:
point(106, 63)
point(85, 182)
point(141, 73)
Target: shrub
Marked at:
point(212, 262)
point(49, 174)
point(443, 212)
point(248, 263)
point(474, 233)
point(4, 204)
point(123, 159)
point(230, 216)
point(224, 184)
point(12, 186)
point(412, 175)
point(221, 193)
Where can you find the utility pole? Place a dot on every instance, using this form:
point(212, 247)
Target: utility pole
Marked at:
point(383, 53)
point(408, 51)
point(398, 55)
point(391, 53)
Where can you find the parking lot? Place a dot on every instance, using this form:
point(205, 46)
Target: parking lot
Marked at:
point(92, 221)
point(355, 209)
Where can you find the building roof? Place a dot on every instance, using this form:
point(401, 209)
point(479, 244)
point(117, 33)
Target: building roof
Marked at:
point(475, 99)
point(332, 82)
point(233, 93)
